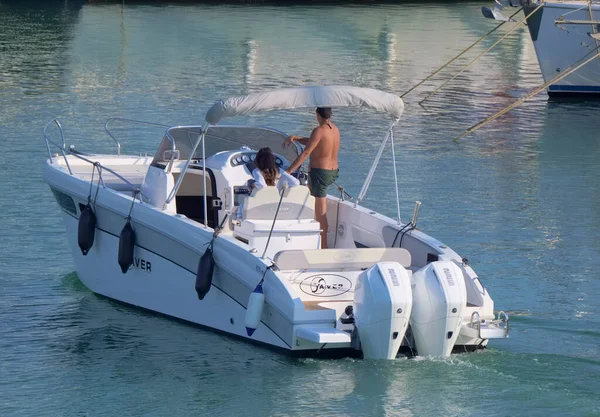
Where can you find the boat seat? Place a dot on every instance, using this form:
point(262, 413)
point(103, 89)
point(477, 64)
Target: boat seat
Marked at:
point(340, 258)
point(156, 188)
point(135, 177)
point(297, 204)
point(295, 227)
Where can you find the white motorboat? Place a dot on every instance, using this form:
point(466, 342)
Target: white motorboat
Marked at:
point(565, 34)
point(166, 233)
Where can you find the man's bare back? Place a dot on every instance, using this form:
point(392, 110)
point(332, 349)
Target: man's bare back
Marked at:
point(322, 146)
point(325, 154)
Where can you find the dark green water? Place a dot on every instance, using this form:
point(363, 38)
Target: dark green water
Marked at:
point(520, 198)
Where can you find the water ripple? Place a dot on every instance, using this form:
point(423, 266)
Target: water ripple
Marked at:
point(519, 198)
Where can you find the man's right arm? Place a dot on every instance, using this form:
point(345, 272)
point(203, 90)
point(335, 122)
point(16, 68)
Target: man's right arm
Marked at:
point(302, 140)
point(294, 138)
point(313, 141)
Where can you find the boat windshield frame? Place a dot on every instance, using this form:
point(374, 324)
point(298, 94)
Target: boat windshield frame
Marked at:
point(178, 142)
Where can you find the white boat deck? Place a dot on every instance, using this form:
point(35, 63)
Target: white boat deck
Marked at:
point(133, 169)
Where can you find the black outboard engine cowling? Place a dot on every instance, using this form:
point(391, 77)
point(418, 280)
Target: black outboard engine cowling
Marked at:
point(86, 229)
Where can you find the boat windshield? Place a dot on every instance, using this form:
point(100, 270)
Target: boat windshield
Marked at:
point(222, 138)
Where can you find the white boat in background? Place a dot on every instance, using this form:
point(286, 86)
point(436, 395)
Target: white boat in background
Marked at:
point(564, 33)
point(166, 233)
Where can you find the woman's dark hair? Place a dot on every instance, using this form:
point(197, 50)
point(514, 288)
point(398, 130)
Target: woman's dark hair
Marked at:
point(265, 161)
point(324, 112)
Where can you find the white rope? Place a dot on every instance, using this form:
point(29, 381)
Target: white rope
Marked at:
point(572, 11)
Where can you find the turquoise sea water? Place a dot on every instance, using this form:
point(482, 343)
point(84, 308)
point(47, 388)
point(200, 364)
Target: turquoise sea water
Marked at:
point(520, 199)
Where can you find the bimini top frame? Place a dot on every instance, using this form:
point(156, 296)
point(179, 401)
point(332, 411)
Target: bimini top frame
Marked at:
point(305, 97)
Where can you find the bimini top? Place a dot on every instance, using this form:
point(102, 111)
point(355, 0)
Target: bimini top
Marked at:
point(301, 97)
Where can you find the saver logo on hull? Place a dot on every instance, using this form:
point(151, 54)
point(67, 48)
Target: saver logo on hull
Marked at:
point(142, 264)
point(325, 285)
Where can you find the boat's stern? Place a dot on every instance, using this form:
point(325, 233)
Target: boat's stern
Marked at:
point(367, 292)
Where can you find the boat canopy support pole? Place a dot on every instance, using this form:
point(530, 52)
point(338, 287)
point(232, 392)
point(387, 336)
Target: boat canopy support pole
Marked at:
point(395, 174)
point(365, 186)
point(185, 167)
point(204, 173)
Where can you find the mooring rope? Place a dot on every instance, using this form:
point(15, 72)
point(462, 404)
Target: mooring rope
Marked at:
point(483, 53)
point(570, 69)
point(460, 54)
point(594, 31)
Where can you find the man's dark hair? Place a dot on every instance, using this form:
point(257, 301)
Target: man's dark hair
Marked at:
point(324, 112)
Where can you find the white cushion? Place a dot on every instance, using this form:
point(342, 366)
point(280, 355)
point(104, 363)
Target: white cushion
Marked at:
point(340, 258)
point(297, 204)
point(156, 187)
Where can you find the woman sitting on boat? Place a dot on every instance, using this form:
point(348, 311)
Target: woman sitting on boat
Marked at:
point(267, 173)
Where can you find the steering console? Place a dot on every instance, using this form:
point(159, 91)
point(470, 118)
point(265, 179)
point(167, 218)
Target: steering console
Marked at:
point(247, 158)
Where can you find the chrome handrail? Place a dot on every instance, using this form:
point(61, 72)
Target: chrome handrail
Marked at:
point(477, 323)
point(65, 151)
point(183, 128)
point(475, 313)
point(62, 148)
point(172, 139)
point(141, 122)
point(500, 314)
point(201, 137)
point(502, 317)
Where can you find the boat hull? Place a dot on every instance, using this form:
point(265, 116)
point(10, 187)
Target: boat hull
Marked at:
point(169, 247)
point(559, 46)
point(158, 284)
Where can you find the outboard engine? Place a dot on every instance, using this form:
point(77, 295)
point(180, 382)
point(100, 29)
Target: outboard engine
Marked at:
point(439, 296)
point(383, 302)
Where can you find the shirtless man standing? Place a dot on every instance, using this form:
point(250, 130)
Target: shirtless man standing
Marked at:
point(322, 146)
